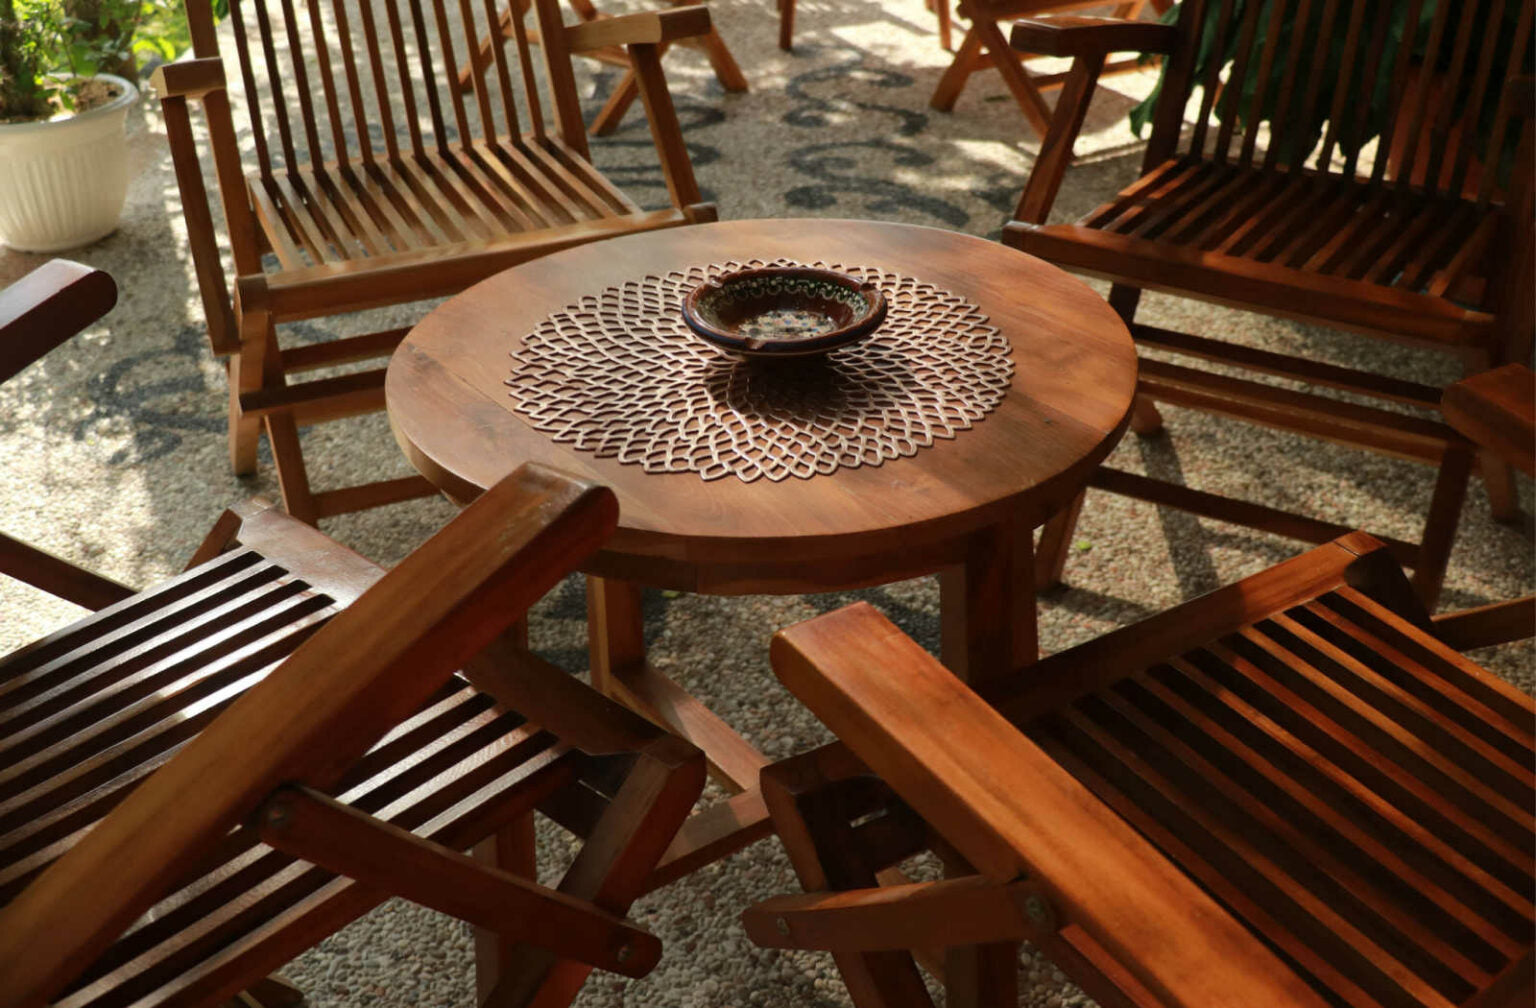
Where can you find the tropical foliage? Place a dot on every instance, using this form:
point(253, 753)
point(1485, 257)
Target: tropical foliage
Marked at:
point(1303, 124)
point(48, 45)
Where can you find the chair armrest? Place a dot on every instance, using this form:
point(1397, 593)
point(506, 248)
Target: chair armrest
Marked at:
point(640, 28)
point(192, 78)
point(1497, 410)
point(1069, 35)
point(47, 307)
point(1012, 811)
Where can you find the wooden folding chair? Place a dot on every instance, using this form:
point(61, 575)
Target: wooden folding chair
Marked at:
point(1251, 209)
point(1287, 793)
point(203, 779)
point(984, 45)
point(375, 181)
point(727, 71)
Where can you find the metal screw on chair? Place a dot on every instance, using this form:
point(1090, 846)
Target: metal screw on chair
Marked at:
point(782, 925)
point(625, 952)
point(1039, 912)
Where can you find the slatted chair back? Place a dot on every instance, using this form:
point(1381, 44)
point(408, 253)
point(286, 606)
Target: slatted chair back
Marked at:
point(1296, 112)
point(333, 82)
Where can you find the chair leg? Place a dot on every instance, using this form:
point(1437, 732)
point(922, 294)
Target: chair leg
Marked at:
point(512, 849)
point(801, 793)
point(941, 11)
point(786, 24)
point(1014, 75)
point(292, 477)
point(1146, 421)
point(1056, 543)
point(1499, 481)
point(1440, 525)
point(977, 976)
point(612, 113)
point(727, 70)
point(612, 867)
point(1145, 418)
point(947, 91)
point(244, 431)
point(255, 365)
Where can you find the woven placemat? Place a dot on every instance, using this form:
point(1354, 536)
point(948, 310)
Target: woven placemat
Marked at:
point(619, 374)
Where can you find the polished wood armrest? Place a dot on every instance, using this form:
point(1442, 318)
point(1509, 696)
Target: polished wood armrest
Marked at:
point(47, 307)
point(640, 28)
point(1497, 410)
point(1013, 812)
point(192, 78)
point(1070, 35)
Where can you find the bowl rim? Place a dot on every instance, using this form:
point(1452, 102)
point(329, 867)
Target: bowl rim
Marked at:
point(866, 323)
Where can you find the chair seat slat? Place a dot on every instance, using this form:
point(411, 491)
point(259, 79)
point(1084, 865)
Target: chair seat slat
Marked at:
point(1498, 698)
point(1511, 909)
point(364, 218)
point(140, 667)
point(1482, 758)
point(1377, 869)
point(1497, 851)
point(187, 687)
point(19, 665)
point(1299, 225)
point(533, 200)
point(145, 631)
point(348, 234)
point(1221, 209)
point(1386, 738)
point(1288, 916)
point(175, 954)
point(1294, 859)
point(433, 773)
point(1401, 668)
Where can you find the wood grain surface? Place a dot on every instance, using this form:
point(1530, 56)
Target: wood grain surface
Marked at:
point(1072, 389)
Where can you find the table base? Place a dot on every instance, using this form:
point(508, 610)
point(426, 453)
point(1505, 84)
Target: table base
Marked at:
point(988, 621)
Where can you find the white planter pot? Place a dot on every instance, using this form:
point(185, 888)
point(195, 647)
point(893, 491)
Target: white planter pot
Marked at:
point(63, 182)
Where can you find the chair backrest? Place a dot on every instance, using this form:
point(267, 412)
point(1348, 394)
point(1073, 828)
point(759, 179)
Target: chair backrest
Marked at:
point(368, 80)
point(334, 697)
point(1297, 84)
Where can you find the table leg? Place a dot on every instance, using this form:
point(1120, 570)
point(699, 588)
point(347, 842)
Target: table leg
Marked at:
point(615, 629)
point(987, 604)
point(620, 670)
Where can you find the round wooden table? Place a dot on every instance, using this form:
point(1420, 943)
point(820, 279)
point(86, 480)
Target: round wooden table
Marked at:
point(965, 508)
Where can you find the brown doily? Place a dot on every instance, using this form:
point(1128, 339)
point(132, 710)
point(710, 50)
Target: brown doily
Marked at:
point(620, 375)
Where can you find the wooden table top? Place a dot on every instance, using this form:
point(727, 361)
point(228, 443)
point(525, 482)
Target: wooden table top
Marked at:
point(1074, 378)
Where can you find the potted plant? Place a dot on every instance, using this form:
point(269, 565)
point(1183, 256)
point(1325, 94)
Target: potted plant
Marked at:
point(63, 149)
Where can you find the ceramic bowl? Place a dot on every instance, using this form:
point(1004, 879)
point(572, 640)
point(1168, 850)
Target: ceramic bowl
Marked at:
point(784, 311)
